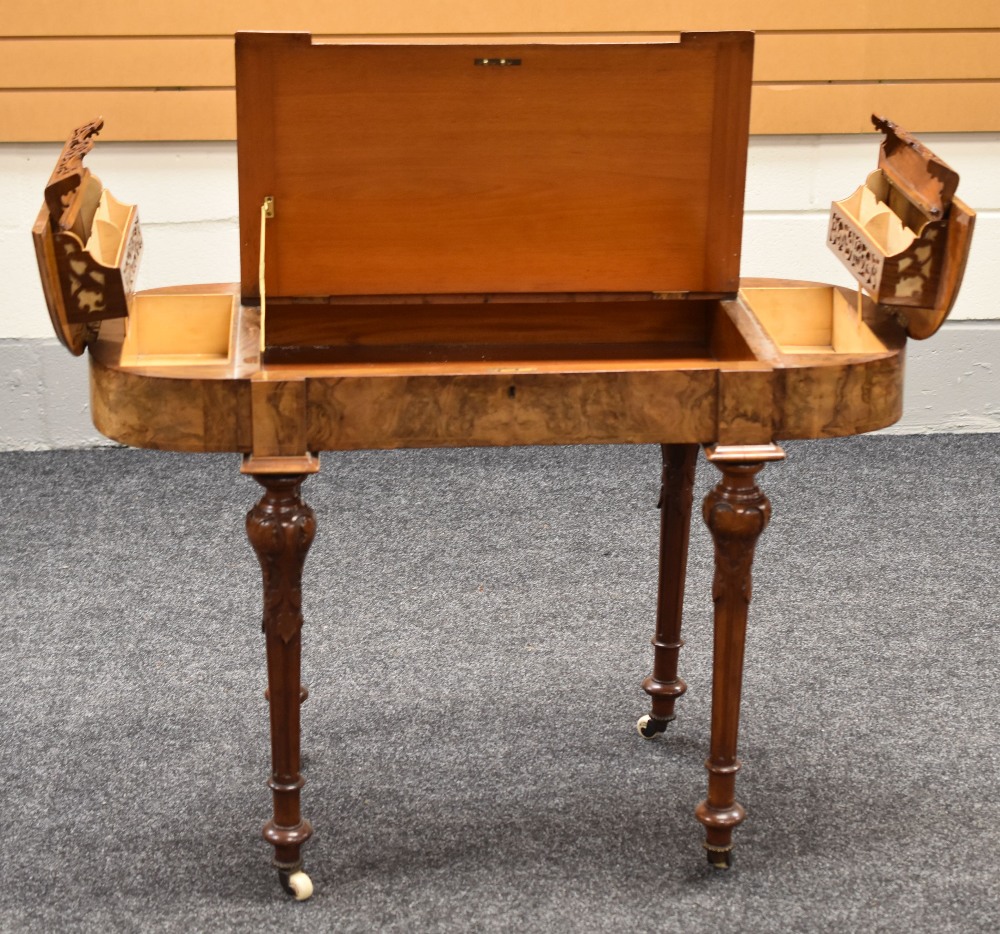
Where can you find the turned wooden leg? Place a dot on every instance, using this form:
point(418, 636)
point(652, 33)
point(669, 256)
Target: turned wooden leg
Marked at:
point(736, 512)
point(281, 529)
point(663, 686)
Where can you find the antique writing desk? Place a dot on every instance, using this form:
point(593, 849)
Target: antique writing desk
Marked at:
point(448, 245)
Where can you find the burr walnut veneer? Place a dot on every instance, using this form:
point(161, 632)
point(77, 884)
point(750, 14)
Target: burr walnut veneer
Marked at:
point(450, 245)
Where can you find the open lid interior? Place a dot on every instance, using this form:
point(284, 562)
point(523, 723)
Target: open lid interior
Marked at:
point(928, 182)
point(903, 234)
point(491, 168)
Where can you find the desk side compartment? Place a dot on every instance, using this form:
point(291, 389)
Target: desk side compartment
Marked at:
point(903, 234)
point(88, 245)
point(484, 173)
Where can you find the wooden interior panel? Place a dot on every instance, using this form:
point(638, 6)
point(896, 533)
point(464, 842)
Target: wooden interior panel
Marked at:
point(71, 335)
point(409, 169)
point(484, 323)
point(513, 332)
point(812, 319)
point(180, 330)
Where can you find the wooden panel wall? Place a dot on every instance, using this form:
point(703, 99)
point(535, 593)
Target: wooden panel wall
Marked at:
point(163, 69)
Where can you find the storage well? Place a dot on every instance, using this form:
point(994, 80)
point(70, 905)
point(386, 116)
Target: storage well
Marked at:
point(812, 319)
point(869, 210)
point(502, 332)
point(165, 330)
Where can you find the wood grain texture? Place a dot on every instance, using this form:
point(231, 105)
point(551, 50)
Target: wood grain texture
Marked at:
point(487, 330)
point(515, 409)
point(728, 155)
point(663, 685)
point(839, 399)
point(406, 169)
point(170, 413)
point(924, 323)
point(736, 512)
point(281, 528)
point(746, 405)
point(467, 323)
point(411, 404)
point(71, 335)
point(279, 417)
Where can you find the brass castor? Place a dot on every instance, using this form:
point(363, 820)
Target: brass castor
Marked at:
point(297, 884)
point(649, 727)
point(720, 859)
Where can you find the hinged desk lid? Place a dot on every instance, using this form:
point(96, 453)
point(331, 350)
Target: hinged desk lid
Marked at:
point(87, 244)
point(407, 169)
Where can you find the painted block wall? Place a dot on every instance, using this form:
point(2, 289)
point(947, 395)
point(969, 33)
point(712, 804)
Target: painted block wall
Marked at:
point(187, 199)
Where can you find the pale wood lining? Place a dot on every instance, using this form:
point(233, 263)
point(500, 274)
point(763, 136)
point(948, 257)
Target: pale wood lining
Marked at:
point(524, 337)
point(199, 333)
point(812, 320)
point(868, 209)
point(171, 330)
point(110, 221)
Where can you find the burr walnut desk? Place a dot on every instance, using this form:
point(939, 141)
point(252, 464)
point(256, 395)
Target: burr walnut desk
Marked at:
point(487, 244)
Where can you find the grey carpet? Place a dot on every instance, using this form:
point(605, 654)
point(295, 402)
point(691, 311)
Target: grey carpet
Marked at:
point(477, 629)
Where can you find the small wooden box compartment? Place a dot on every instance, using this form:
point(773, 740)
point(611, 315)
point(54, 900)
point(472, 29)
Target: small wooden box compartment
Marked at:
point(903, 234)
point(97, 239)
point(174, 329)
point(480, 201)
point(812, 319)
point(523, 333)
point(88, 245)
point(98, 255)
point(113, 227)
point(897, 264)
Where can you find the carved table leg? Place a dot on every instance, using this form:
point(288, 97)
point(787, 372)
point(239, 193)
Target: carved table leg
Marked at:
point(736, 512)
point(663, 685)
point(281, 529)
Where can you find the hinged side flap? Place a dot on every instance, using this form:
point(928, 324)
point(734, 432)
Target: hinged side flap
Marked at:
point(927, 181)
point(88, 244)
point(72, 336)
point(903, 234)
point(67, 179)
